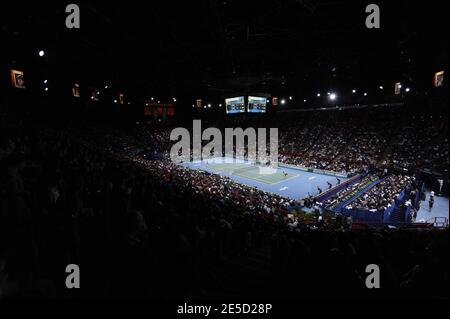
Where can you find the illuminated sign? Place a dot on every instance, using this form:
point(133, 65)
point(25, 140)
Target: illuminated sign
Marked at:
point(76, 90)
point(18, 80)
point(439, 79)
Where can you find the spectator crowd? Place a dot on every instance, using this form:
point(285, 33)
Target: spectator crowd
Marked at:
point(150, 228)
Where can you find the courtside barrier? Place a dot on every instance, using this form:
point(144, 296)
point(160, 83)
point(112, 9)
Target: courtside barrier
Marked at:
point(362, 215)
point(327, 194)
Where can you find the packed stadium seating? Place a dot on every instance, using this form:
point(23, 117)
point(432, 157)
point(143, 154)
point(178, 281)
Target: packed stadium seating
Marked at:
point(89, 196)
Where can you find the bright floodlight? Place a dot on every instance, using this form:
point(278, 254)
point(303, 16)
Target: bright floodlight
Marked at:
point(290, 98)
point(283, 102)
point(318, 94)
point(45, 81)
point(408, 89)
point(381, 87)
point(46, 89)
point(115, 101)
point(304, 100)
point(41, 53)
point(365, 94)
point(332, 96)
point(354, 91)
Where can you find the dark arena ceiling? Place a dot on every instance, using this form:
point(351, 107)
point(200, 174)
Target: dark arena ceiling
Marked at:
point(211, 46)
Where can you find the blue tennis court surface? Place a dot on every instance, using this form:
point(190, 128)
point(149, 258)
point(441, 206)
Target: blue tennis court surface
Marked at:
point(288, 182)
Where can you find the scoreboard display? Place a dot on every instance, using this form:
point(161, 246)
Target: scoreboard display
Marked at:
point(158, 109)
point(235, 105)
point(256, 104)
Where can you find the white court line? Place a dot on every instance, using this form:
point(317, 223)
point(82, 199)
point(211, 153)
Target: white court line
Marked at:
point(258, 179)
point(265, 182)
point(225, 171)
point(285, 180)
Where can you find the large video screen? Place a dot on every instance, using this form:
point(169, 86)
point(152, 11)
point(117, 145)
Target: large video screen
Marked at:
point(257, 104)
point(235, 105)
